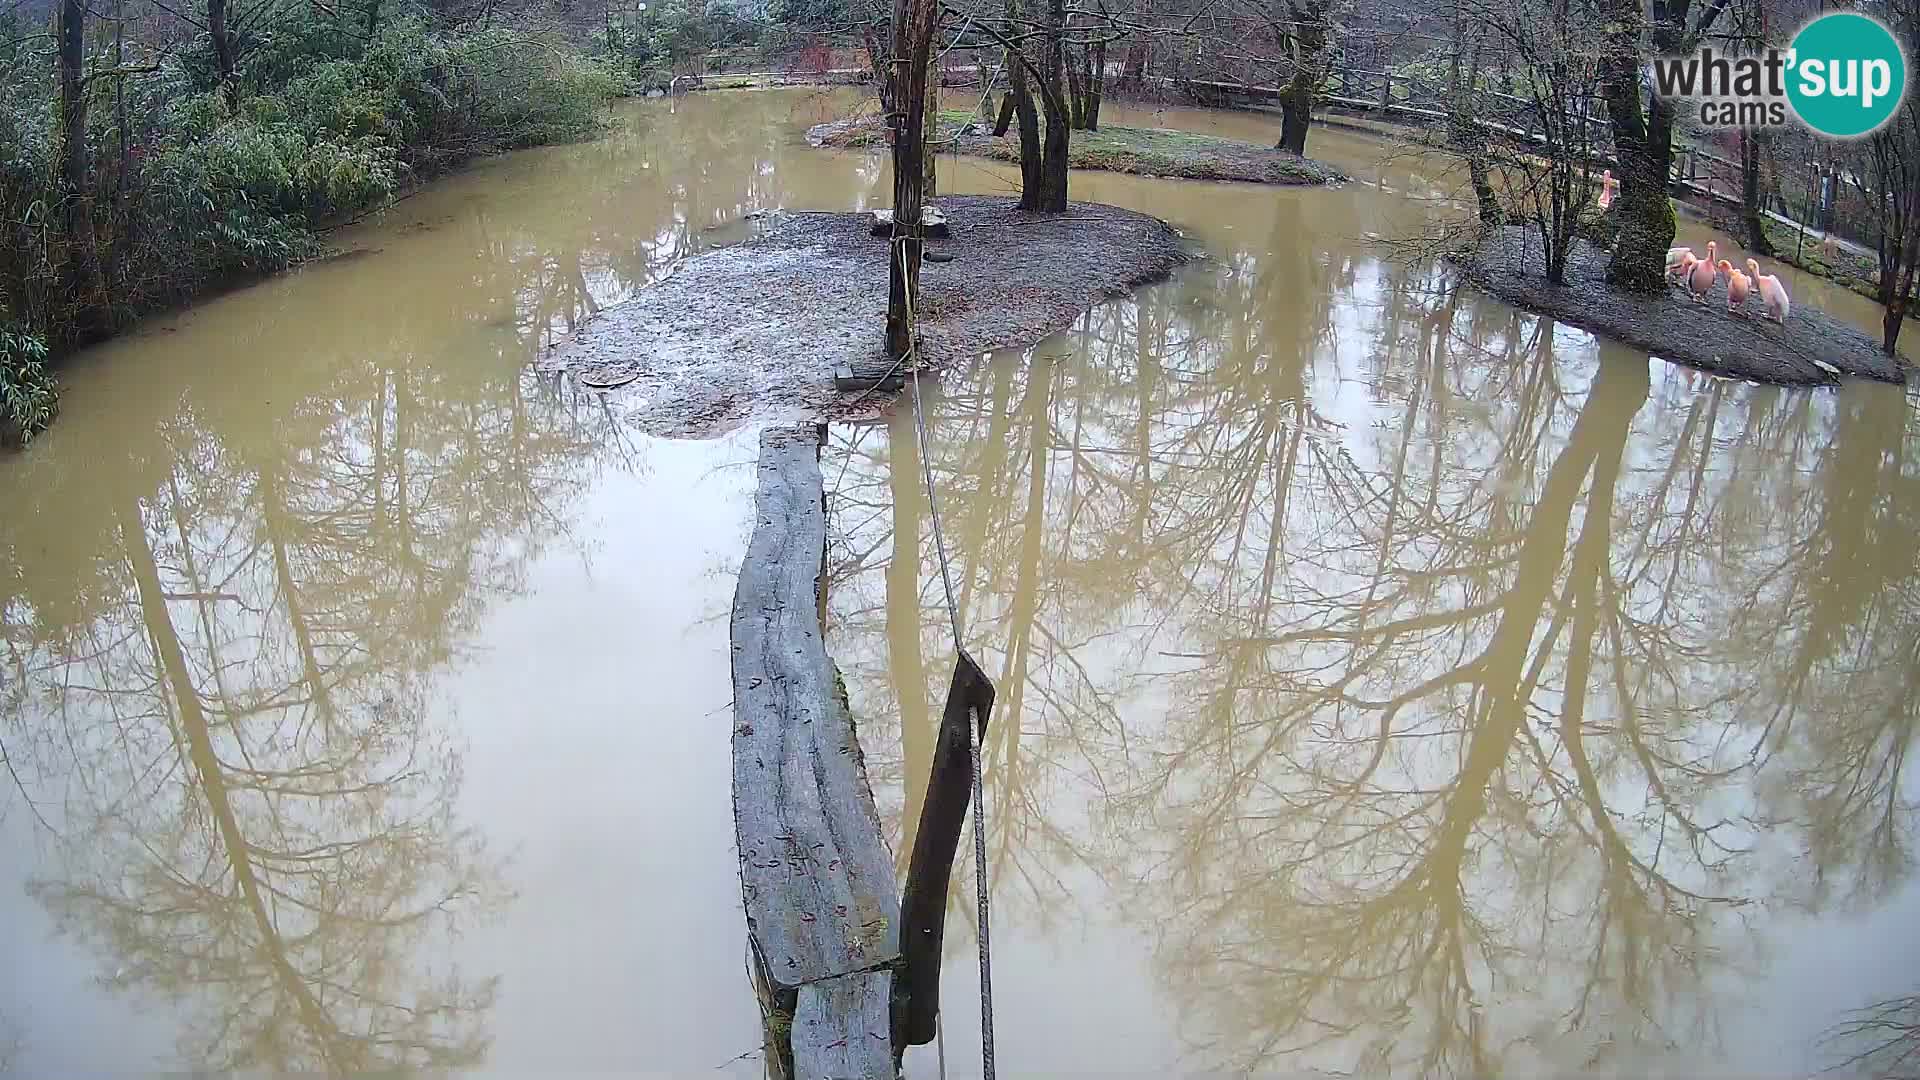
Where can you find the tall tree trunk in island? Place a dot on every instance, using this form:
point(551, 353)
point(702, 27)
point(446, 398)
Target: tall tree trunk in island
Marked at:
point(1020, 92)
point(913, 22)
point(1643, 143)
point(1643, 132)
point(1053, 159)
point(1752, 147)
point(82, 269)
point(1896, 314)
point(1308, 39)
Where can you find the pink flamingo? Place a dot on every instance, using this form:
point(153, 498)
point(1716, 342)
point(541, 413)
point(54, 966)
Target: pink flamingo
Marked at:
point(1739, 287)
point(1608, 187)
point(1700, 277)
point(1772, 293)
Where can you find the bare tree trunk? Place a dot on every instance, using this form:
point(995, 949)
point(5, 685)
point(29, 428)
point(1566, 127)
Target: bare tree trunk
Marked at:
point(1896, 315)
point(1021, 94)
point(1308, 35)
point(1752, 147)
point(1096, 85)
point(928, 180)
point(913, 22)
point(1133, 70)
point(1005, 119)
point(1644, 145)
point(1076, 95)
point(82, 269)
point(1469, 139)
point(223, 58)
point(1643, 134)
point(1053, 162)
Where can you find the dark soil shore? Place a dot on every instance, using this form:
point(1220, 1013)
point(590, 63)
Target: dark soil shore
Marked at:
point(1675, 328)
point(1140, 151)
point(754, 332)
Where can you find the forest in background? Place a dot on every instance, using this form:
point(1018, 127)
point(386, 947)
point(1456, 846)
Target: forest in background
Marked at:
point(153, 149)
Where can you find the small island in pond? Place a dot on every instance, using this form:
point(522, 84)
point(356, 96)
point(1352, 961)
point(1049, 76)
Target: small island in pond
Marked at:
point(1140, 151)
point(1810, 348)
point(755, 332)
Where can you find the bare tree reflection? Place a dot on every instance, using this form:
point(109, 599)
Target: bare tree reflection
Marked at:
point(256, 786)
point(1881, 1041)
point(1438, 733)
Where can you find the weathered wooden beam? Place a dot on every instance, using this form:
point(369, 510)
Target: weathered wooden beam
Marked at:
point(840, 1028)
point(923, 904)
point(815, 874)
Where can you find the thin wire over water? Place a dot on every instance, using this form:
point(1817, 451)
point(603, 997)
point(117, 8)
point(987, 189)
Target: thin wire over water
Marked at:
point(976, 736)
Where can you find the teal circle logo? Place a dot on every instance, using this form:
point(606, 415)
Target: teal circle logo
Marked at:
point(1846, 74)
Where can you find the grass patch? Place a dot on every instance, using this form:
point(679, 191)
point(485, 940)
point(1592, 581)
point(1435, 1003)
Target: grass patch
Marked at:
point(1851, 271)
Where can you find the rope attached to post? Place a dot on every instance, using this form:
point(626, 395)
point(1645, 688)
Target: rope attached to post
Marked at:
point(974, 731)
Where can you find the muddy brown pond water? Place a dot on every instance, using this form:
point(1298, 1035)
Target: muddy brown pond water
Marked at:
point(1390, 681)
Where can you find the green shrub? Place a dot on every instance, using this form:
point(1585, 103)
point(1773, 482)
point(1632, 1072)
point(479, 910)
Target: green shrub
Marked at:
point(27, 401)
point(204, 184)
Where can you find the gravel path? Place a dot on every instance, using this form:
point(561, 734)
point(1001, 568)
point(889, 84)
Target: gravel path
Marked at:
point(754, 332)
point(1675, 328)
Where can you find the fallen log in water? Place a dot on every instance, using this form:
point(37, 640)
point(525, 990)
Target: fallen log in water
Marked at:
point(815, 874)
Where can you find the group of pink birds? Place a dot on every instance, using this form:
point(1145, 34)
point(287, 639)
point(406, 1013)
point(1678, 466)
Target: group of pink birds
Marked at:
point(1698, 275)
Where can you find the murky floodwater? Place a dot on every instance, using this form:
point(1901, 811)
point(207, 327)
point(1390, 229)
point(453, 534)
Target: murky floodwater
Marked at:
point(1388, 680)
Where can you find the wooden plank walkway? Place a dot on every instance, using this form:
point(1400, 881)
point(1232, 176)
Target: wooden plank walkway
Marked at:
point(816, 877)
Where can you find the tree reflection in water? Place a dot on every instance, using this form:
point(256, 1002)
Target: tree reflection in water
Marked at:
point(230, 720)
point(1460, 728)
point(236, 585)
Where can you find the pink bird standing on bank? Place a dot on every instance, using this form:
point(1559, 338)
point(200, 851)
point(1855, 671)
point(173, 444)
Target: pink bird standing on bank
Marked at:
point(1772, 293)
point(1700, 277)
point(1739, 287)
point(1608, 187)
point(1678, 260)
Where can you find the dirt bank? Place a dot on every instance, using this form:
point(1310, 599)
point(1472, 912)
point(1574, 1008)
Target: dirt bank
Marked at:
point(1675, 328)
point(1142, 151)
point(754, 332)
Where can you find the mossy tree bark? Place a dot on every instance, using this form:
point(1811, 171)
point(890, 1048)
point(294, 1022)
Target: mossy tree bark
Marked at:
point(1643, 132)
point(1306, 39)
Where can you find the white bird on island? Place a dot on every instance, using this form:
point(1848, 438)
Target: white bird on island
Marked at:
point(1772, 293)
point(1700, 277)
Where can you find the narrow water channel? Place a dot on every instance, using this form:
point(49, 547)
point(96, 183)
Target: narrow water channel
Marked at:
point(1389, 681)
